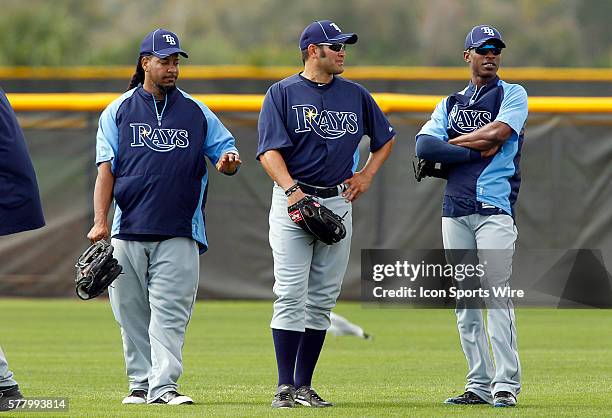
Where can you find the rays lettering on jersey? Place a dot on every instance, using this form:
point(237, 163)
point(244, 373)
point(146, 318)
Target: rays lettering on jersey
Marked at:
point(465, 121)
point(328, 124)
point(158, 139)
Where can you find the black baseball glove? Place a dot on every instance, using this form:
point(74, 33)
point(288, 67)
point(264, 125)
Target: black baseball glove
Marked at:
point(96, 269)
point(317, 220)
point(424, 168)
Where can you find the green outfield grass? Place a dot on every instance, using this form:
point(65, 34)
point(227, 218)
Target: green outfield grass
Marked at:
point(68, 348)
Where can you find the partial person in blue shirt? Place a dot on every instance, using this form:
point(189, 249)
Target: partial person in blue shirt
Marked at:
point(477, 134)
point(310, 127)
point(20, 210)
point(20, 206)
point(151, 148)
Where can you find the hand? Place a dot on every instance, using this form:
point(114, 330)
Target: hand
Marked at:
point(295, 197)
point(228, 163)
point(99, 231)
point(490, 152)
point(357, 185)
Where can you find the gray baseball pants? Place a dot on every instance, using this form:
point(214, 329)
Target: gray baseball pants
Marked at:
point(308, 276)
point(6, 376)
point(152, 301)
point(484, 378)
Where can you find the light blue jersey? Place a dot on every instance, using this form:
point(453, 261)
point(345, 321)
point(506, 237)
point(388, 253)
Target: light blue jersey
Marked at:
point(157, 159)
point(488, 184)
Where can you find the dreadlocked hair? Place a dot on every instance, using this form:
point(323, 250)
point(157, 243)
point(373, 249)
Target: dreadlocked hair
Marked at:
point(139, 75)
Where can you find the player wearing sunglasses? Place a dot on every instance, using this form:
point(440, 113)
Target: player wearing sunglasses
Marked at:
point(310, 128)
point(477, 134)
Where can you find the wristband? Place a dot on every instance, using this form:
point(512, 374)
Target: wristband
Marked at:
point(292, 189)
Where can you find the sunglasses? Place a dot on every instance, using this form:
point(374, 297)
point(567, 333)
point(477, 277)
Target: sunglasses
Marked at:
point(335, 47)
point(484, 50)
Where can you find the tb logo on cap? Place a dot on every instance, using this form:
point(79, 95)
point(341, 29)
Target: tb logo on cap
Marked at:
point(169, 39)
point(333, 25)
point(488, 30)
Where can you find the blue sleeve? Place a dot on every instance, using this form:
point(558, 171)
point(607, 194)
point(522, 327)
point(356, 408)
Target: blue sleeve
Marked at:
point(107, 138)
point(436, 125)
point(513, 110)
point(376, 124)
point(218, 139)
point(271, 124)
point(431, 148)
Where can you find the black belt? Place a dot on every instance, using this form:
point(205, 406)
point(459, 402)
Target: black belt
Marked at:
point(323, 192)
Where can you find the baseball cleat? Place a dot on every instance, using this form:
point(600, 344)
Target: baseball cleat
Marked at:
point(10, 393)
point(137, 396)
point(504, 399)
point(284, 397)
point(173, 398)
point(307, 396)
point(468, 398)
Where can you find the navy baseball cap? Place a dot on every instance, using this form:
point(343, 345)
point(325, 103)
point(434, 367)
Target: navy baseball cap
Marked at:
point(482, 34)
point(325, 31)
point(161, 43)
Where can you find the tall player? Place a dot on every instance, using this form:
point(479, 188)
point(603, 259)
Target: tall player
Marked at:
point(309, 129)
point(151, 148)
point(20, 209)
point(478, 134)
